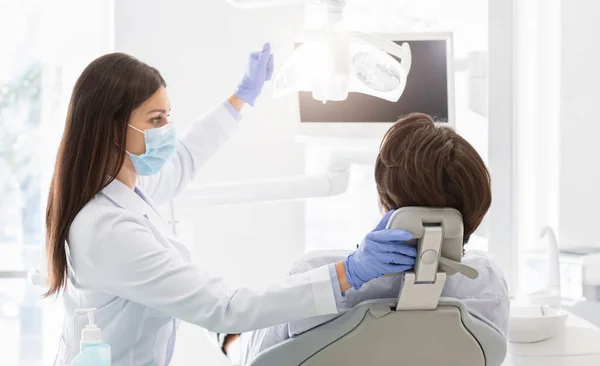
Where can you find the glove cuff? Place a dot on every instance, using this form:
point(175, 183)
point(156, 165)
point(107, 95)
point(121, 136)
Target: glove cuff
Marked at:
point(248, 95)
point(353, 281)
point(243, 96)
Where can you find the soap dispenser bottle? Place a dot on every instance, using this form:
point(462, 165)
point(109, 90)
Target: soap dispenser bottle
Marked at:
point(92, 352)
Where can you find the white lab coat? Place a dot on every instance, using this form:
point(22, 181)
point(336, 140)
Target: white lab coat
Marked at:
point(124, 261)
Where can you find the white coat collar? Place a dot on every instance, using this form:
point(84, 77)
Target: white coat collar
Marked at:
point(124, 197)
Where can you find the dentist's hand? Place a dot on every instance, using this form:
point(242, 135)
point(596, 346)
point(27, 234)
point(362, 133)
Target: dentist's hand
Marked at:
point(381, 252)
point(260, 70)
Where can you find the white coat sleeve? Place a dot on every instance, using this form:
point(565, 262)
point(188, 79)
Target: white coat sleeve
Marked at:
point(201, 141)
point(127, 261)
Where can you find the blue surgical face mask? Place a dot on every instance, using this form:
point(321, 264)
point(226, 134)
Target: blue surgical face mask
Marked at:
point(160, 143)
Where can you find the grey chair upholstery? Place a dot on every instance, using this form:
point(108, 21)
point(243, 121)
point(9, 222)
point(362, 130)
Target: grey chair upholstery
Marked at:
point(419, 328)
point(372, 334)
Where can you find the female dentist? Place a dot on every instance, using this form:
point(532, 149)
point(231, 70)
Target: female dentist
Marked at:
point(108, 249)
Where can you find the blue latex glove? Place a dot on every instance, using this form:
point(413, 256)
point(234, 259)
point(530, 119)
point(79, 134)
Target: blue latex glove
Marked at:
point(381, 252)
point(260, 69)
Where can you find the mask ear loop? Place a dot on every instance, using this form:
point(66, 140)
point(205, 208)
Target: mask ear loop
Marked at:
point(119, 146)
point(137, 129)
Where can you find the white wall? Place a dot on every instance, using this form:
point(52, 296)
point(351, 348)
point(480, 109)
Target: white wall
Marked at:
point(580, 125)
point(201, 51)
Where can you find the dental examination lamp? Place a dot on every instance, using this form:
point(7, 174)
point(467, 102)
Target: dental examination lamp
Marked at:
point(332, 62)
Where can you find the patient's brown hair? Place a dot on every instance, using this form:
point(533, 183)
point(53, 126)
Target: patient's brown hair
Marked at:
point(422, 164)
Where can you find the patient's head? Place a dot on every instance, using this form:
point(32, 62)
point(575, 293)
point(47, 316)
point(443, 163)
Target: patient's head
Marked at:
point(421, 164)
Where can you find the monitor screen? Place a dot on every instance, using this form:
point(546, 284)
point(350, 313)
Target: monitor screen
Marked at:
point(426, 92)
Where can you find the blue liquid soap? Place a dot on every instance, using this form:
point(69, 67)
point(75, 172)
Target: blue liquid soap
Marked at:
point(93, 355)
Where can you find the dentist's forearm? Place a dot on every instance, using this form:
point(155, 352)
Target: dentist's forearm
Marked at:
point(340, 269)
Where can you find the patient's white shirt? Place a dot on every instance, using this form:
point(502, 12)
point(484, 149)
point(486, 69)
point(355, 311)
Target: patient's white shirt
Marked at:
point(485, 297)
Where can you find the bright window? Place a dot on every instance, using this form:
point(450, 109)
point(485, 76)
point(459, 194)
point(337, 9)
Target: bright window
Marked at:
point(25, 85)
point(43, 47)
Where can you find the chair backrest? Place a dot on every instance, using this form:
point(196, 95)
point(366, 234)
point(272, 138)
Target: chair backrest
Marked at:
point(373, 334)
point(419, 327)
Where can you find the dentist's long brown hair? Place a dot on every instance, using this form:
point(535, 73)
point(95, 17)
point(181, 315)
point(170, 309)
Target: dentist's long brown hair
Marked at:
point(92, 149)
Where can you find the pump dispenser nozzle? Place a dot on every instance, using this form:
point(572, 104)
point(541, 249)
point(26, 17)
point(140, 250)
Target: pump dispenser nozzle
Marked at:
point(91, 334)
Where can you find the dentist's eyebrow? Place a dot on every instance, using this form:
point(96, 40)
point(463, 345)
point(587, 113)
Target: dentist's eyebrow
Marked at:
point(159, 110)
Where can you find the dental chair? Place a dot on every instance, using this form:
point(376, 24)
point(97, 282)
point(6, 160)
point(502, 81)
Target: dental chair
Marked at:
point(419, 328)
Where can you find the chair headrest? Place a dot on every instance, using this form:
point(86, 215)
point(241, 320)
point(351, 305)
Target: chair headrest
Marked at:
point(416, 219)
point(438, 236)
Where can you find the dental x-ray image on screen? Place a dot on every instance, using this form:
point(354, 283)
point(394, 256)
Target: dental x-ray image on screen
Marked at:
point(426, 92)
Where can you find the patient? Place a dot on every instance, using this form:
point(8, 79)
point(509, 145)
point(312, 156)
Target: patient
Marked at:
point(419, 164)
